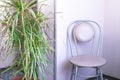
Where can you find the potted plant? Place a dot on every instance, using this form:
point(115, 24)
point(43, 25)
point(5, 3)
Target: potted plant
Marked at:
point(25, 29)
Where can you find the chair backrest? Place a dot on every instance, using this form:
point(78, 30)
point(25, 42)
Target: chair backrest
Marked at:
point(85, 32)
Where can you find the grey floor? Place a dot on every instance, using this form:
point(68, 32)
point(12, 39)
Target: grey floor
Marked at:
point(105, 78)
point(8, 75)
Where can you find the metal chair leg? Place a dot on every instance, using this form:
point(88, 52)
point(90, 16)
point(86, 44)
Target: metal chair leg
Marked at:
point(76, 70)
point(97, 73)
point(101, 74)
point(75, 73)
point(72, 73)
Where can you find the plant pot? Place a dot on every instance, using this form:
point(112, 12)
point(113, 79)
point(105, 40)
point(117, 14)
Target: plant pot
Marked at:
point(19, 78)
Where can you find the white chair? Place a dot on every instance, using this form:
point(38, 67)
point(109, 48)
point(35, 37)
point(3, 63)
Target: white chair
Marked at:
point(80, 33)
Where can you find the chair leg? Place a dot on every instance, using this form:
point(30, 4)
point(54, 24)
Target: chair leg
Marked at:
point(97, 73)
point(76, 71)
point(72, 73)
point(101, 74)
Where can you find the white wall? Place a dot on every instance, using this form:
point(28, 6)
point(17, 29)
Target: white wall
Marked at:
point(111, 44)
point(48, 10)
point(5, 61)
point(66, 12)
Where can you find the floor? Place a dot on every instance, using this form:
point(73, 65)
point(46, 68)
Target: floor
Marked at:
point(105, 78)
point(10, 74)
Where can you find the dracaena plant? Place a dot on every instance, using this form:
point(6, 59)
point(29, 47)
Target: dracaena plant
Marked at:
point(25, 28)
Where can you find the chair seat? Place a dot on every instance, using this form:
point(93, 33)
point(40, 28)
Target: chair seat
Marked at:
point(88, 61)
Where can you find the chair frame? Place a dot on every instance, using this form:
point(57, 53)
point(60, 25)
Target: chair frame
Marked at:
point(99, 74)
